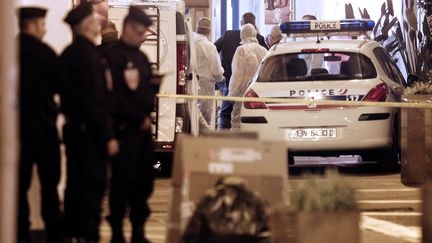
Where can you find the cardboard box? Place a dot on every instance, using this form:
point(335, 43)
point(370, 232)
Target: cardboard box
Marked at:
point(201, 161)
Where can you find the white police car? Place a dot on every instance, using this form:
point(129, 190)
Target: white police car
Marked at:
point(347, 70)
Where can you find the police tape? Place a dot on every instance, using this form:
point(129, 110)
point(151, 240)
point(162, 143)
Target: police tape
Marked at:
point(309, 102)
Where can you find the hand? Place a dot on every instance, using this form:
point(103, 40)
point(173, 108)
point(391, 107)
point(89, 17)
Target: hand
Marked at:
point(146, 124)
point(113, 147)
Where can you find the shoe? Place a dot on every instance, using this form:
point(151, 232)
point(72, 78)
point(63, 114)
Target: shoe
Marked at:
point(138, 235)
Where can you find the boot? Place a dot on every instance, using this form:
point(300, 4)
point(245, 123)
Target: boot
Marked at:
point(117, 231)
point(138, 235)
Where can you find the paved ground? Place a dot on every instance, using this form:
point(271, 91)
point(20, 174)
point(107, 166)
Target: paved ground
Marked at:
point(390, 211)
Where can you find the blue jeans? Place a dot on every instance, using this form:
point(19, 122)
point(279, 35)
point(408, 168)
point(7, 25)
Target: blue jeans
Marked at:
point(224, 118)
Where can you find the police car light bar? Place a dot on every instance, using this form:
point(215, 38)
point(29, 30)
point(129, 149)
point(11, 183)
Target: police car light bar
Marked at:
point(351, 27)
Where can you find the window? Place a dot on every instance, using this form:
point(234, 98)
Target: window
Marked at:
point(388, 65)
point(316, 66)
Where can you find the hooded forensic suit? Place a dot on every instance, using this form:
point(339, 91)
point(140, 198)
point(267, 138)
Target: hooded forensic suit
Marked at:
point(246, 61)
point(209, 71)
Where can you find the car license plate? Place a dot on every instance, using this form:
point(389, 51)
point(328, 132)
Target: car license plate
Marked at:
point(311, 133)
point(325, 25)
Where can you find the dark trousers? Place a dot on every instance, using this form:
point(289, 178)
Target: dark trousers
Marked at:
point(132, 177)
point(224, 119)
point(39, 145)
point(86, 181)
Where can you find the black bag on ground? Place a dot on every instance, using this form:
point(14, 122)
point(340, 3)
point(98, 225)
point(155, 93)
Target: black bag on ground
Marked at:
point(228, 213)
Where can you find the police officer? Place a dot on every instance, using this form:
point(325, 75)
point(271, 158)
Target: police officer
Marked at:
point(132, 170)
point(86, 132)
point(38, 113)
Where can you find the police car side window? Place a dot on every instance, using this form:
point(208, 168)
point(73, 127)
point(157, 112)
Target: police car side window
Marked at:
point(397, 73)
point(387, 65)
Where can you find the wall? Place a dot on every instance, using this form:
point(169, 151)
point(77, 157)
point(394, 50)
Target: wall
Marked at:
point(335, 9)
point(323, 9)
point(58, 33)
point(8, 123)
point(216, 19)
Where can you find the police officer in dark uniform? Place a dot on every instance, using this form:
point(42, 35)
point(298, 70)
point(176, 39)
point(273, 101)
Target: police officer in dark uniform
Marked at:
point(86, 132)
point(39, 141)
point(132, 170)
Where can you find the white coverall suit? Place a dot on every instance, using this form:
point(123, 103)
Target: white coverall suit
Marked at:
point(246, 61)
point(209, 71)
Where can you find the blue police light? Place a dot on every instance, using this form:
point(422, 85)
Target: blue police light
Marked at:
point(357, 25)
point(304, 28)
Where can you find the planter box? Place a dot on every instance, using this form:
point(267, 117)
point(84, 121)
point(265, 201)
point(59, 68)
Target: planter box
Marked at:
point(416, 142)
point(282, 225)
point(315, 227)
point(328, 227)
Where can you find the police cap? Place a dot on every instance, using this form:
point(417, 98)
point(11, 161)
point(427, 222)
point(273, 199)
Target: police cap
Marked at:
point(137, 15)
point(31, 13)
point(76, 15)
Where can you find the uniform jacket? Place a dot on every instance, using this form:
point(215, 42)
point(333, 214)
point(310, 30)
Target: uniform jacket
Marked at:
point(84, 90)
point(133, 103)
point(39, 78)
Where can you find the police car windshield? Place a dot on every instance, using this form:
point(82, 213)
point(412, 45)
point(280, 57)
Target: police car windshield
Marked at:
point(322, 66)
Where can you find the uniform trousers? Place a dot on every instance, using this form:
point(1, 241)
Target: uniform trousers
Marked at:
point(132, 176)
point(86, 181)
point(39, 145)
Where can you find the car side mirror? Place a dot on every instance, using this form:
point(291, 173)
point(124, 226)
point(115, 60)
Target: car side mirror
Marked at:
point(412, 78)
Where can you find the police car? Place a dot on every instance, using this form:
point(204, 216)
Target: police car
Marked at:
point(319, 67)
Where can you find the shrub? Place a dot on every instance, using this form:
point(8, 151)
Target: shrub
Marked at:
point(329, 194)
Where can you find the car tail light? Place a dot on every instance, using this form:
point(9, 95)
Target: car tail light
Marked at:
point(316, 50)
point(378, 94)
point(253, 105)
point(181, 67)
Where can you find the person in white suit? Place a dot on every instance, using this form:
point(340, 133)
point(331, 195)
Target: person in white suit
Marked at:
point(209, 68)
point(246, 60)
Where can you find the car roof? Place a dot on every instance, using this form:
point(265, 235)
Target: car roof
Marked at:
point(362, 46)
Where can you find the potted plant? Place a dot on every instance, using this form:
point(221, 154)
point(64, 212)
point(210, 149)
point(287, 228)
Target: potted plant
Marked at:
point(321, 210)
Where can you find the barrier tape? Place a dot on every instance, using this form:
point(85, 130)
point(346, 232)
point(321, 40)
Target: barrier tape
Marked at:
point(309, 102)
